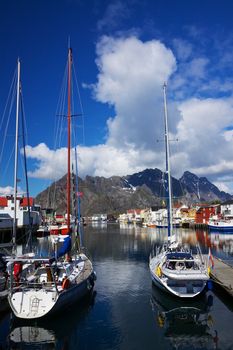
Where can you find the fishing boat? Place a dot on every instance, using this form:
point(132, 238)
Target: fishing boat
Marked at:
point(221, 225)
point(173, 266)
point(41, 287)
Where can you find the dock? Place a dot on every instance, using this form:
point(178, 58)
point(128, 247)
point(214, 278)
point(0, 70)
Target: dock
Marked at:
point(222, 274)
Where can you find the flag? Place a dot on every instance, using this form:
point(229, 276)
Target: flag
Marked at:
point(210, 259)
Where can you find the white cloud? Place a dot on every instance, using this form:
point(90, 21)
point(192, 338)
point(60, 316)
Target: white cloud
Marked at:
point(115, 13)
point(101, 160)
point(131, 75)
point(196, 68)
point(183, 49)
point(223, 187)
point(9, 190)
point(201, 134)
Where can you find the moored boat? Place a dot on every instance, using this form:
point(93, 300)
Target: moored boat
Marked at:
point(173, 266)
point(40, 287)
point(221, 225)
point(46, 286)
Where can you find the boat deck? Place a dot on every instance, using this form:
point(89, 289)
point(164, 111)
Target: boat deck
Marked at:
point(87, 270)
point(222, 274)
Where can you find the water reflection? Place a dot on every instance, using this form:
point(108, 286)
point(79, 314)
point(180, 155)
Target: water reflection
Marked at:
point(30, 336)
point(125, 313)
point(50, 333)
point(222, 242)
point(185, 322)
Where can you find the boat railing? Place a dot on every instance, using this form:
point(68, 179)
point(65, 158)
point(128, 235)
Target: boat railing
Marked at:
point(23, 285)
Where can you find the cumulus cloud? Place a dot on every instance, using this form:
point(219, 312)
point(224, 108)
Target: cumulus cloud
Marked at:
point(100, 160)
point(9, 190)
point(203, 137)
point(131, 76)
point(182, 48)
point(130, 79)
point(115, 12)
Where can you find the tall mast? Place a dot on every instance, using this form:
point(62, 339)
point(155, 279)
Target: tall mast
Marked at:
point(69, 137)
point(16, 156)
point(169, 200)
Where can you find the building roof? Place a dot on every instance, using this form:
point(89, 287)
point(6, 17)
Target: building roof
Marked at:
point(23, 201)
point(3, 202)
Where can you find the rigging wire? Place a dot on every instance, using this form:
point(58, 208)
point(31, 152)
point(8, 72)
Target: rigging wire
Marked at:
point(80, 102)
point(58, 129)
point(12, 94)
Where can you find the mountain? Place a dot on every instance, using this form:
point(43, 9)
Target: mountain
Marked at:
point(140, 190)
point(201, 189)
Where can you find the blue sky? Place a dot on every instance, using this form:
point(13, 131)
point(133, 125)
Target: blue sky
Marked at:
point(123, 52)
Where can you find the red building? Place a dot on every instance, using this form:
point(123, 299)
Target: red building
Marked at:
point(205, 212)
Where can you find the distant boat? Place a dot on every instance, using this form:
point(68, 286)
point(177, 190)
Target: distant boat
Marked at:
point(173, 267)
point(221, 225)
point(40, 287)
point(43, 231)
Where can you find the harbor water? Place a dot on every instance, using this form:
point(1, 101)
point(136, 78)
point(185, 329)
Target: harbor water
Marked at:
point(125, 311)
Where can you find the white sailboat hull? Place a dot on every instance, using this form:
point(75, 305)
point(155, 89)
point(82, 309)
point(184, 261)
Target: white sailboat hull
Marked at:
point(34, 304)
point(178, 283)
point(43, 289)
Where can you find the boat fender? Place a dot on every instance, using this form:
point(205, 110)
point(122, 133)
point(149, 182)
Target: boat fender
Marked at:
point(17, 271)
point(158, 271)
point(160, 320)
point(65, 283)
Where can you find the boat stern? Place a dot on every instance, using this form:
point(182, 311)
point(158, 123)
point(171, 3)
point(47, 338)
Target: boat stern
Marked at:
point(32, 304)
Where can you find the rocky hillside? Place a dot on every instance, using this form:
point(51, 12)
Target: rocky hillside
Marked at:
point(117, 194)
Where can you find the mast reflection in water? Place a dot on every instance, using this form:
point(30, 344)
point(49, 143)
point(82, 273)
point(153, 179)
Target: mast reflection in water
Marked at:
point(126, 312)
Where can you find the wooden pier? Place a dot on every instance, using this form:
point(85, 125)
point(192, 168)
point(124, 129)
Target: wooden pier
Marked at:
point(222, 274)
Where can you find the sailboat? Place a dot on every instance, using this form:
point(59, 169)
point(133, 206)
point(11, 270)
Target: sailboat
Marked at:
point(11, 248)
point(40, 287)
point(173, 266)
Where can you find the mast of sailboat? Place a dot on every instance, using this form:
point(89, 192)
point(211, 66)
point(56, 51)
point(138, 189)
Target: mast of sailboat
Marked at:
point(169, 199)
point(69, 137)
point(16, 156)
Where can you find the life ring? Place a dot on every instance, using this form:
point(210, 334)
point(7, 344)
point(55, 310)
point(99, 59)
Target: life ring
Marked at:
point(65, 283)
